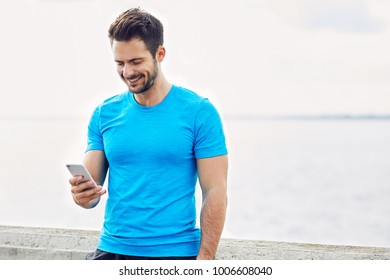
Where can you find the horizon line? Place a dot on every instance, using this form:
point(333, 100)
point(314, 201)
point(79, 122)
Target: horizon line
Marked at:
point(309, 117)
point(345, 116)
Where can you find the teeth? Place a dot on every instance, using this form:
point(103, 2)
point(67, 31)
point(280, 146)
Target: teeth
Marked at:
point(134, 79)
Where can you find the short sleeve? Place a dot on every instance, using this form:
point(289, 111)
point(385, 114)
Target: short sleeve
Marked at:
point(209, 133)
point(95, 138)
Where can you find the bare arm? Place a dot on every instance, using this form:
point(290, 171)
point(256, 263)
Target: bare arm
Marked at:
point(213, 181)
point(96, 163)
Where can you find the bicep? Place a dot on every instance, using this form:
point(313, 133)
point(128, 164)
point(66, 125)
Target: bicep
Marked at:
point(96, 163)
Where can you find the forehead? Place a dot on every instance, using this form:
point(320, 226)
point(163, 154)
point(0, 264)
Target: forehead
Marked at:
point(127, 50)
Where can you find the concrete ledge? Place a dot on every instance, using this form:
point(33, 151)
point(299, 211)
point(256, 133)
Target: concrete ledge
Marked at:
point(46, 243)
point(26, 243)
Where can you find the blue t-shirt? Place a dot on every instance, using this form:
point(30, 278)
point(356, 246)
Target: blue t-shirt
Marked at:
point(152, 152)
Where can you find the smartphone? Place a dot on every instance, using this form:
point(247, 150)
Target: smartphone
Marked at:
point(79, 169)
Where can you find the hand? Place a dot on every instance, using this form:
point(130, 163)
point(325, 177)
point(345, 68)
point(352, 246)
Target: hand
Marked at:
point(85, 194)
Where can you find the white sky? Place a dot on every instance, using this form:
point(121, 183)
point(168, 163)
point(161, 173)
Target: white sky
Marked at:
point(250, 57)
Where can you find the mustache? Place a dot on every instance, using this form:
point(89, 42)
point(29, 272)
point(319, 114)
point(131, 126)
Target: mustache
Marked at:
point(134, 77)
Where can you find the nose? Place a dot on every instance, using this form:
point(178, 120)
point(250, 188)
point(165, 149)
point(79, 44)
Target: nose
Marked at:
point(127, 71)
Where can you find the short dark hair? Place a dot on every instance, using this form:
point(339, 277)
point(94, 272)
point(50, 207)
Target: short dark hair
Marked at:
point(135, 23)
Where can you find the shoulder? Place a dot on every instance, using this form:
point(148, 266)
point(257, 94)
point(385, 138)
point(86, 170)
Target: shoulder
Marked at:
point(115, 100)
point(192, 100)
point(112, 103)
point(188, 96)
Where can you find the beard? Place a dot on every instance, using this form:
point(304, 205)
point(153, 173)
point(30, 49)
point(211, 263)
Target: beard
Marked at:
point(148, 82)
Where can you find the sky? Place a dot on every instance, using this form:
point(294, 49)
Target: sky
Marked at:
point(251, 57)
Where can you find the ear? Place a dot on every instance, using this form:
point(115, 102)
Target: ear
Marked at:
point(160, 54)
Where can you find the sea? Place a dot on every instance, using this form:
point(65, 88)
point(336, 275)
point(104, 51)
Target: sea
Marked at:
point(291, 179)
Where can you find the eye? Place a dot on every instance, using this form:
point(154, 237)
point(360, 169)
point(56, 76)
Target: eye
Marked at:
point(119, 63)
point(136, 62)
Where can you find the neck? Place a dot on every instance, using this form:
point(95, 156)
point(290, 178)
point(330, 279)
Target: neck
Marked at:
point(155, 94)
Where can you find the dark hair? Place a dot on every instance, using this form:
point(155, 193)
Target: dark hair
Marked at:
point(135, 23)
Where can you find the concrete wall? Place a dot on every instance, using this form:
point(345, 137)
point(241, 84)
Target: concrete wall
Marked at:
point(18, 243)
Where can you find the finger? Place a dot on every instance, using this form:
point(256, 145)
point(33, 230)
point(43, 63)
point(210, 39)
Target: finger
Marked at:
point(89, 192)
point(86, 197)
point(75, 180)
point(81, 187)
point(97, 194)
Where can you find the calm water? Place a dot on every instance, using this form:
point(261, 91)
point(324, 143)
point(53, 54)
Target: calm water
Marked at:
point(306, 181)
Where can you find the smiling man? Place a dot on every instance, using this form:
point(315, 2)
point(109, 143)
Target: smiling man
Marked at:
point(156, 140)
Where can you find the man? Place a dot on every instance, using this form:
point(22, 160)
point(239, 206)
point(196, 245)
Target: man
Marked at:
point(156, 139)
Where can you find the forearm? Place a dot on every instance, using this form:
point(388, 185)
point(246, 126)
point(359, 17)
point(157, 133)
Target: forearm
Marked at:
point(212, 220)
point(97, 165)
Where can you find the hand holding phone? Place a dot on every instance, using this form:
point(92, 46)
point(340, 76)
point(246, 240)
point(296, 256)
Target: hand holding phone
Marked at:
point(84, 197)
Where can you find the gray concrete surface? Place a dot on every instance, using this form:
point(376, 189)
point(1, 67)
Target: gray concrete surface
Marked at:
point(27, 243)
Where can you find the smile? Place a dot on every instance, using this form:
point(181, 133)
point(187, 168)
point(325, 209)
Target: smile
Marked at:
point(133, 80)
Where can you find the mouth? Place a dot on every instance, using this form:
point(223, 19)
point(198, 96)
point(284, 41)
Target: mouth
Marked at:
point(134, 80)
